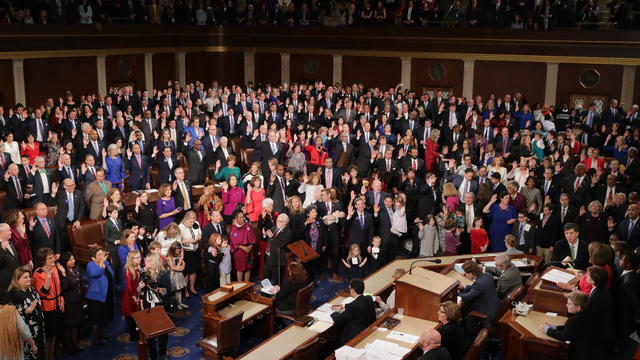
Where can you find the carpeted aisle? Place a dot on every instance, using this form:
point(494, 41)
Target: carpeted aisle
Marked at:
point(182, 342)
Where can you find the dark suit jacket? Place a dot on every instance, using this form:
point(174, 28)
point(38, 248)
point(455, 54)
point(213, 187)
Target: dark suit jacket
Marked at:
point(63, 173)
point(39, 238)
point(179, 198)
point(580, 197)
point(561, 250)
point(62, 202)
point(7, 161)
point(358, 234)
point(278, 251)
point(357, 316)
point(197, 168)
point(338, 149)
point(275, 192)
point(529, 236)
point(481, 296)
point(11, 200)
point(452, 339)
point(209, 230)
point(38, 185)
point(8, 264)
point(581, 330)
point(111, 233)
point(267, 154)
point(165, 173)
point(626, 309)
point(335, 177)
point(406, 163)
point(139, 175)
point(633, 238)
point(440, 353)
point(600, 306)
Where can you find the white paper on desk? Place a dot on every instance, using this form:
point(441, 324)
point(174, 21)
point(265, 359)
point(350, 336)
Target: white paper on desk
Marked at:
point(267, 287)
point(557, 276)
point(384, 350)
point(320, 326)
point(404, 337)
point(349, 353)
point(322, 316)
point(326, 307)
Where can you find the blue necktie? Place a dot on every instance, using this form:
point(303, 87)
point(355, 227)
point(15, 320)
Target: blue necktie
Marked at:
point(70, 207)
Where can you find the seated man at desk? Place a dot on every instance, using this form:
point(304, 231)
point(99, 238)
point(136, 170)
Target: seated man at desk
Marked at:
point(287, 293)
point(430, 344)
point(479, 299)
point(571, 248)
point(580, 329)
point(391, 299)
point(509, 276)
point(356, 315)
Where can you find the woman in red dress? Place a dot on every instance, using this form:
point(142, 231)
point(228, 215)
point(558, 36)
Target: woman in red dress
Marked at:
point(19, 237)
point(129, 302)
point(243, 240)
point(431, 153)
point(31, 148)
point(317, 154)
point(253, 201)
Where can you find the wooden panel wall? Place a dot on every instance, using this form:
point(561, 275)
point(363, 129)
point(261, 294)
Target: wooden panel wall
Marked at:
point(371, 71)
point(569, 75)
point(7, 98)
point(454, 71)
point(226, 68)
point(53, 77)
point(506, 77)
point(164, 69)
point(310, 68)
point(267, 68)
point(636, 90)
point(116, 70)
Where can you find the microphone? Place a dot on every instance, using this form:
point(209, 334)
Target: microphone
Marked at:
point(435, 261)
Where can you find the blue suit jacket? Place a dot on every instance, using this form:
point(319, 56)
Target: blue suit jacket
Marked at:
point(98, 283)
point(481, 296)
point(633, 238)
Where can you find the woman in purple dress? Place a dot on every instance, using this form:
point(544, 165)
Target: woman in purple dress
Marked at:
point(243, 240)
point(232, 195)
point(166, 207)
point(502, 217)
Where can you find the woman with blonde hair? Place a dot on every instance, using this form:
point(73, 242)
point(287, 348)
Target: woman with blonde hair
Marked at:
point(24, 297)
point(497, 166)
point(130, 302)
point(253, 199)
point(113, 166)
point(15, 333)
point(450, 196)
point(167, 236)
point(311, 187)
point(191, 233)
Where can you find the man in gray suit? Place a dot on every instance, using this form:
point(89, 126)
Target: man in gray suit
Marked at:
point(508, 275)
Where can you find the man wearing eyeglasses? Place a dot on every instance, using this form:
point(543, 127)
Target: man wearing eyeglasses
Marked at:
point(70, 209)
point(509, 276)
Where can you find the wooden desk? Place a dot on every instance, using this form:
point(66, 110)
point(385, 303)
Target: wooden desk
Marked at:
point(421, 293)
point(522, 339)
point(547, 299)
point(408, 325)
point(258, 310)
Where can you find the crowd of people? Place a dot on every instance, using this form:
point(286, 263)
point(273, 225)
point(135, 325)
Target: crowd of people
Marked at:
point(485, 13)
point(362, 175)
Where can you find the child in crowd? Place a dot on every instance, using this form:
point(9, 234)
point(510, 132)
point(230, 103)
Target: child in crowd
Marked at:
point(354, 263)
point(225, 264)
point(479, 237)
point(212, 259)
point(451, 237)
point(175, 259)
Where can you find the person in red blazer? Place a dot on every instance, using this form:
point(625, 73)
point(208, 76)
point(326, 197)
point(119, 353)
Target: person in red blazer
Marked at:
point(431, 154)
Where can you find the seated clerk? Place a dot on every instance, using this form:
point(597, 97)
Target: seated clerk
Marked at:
point(451, 330)
point(580, 329)
point(390, 303)
point(509, 276)
point(356, 316)
point(429, 342)
point(571, 248)
point(480, 297)
point(286, 294)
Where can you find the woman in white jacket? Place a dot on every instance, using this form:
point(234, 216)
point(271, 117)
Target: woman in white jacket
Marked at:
point(399, 217)
point(86, 12)
point(311, 188)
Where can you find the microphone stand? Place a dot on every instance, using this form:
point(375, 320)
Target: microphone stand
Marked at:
point(435, 261)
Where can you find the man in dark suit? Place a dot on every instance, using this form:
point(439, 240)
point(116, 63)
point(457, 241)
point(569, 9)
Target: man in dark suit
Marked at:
point(481, 296)
point(271, 150)
point(387, 168)
point(375, 196)
point(38, 127)
point(550, 186)
point(278, 239)
point(139, 169)
point(40, 178)
point(366, 156)
point(571, 248)
point(70, 125)
point(231, 124)
point(197, 165)
point(330, 176)
point(216, 226)
point(360, 225)
point(504, 144)
point(8, 257)
point(342, 151)
point(357, 315)
point(148, 125)
point(632, 168)
point(591, 119)
point(566, 211)
point(277, 189)
point(626, 308)
point(42, 231)
point(497, 187)
point(66, 170)
point(181, 192)
point(382, 215)
point(525, 232)
point(70, 209)
point(612, 114)
point(577, 186)
point(331, 214)
point(413, 162)
point(600, 303)
point(629, 228)
point(88, 170)
point(93, 146)
point(166, 164)
point(465, 183)
point(15, 188)
point(145, 146)
point(410, 14)
point(431, 344)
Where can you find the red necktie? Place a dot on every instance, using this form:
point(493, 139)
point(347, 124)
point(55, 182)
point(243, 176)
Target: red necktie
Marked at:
point(415, 165)
point(576, 187)
point(45, 226)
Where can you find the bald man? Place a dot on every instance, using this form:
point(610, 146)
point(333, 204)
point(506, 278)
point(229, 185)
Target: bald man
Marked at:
point(8, 257)
point(430, 344)
point(15, 187)
point(276, 249)
point(70, 209)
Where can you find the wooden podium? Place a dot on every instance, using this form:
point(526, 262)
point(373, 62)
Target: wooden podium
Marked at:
point(421, 292)
point(151, 322)
point(548, 297)
point(303, 251)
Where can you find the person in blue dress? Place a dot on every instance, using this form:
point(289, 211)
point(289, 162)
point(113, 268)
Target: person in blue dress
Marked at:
point(194, 131)
point(502, 217)
point(113, 165)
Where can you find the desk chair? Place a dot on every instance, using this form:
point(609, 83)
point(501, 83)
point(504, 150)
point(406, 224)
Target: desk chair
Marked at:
point(245, 157)
point(303, 300)
point(476, 349)
point(224, 343)
point(308, 351)
point(83, 238)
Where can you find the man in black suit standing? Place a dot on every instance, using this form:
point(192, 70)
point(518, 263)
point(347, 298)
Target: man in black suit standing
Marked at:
point(330, 177)
point(271, 150)
point(278, 239)
point(360, 230)
point(567, 212)
point(42, 231)
point(66, 170)
point(387, 167)
point(342, 151)
point(197, 165)
point(181, 192)
point(331, 214)
point(382, 214)
point(549, 186)
point(497, 187)
point(15, 188)
point(216, 226)
point(70, 125)
point(70, 209)
point(413, 162)
point(571, 248)
point(88, 170)
point(231, 124)
point(504, 144)
point(166, 164)
point(629, 228)
point(277, 189)
point(40, 178)
point(626, 308)
point(93, 146)
point(632, 168)
point(356, 315)
point(577, 186)
point(8, 257)
point(38, 127)
point(138, 166)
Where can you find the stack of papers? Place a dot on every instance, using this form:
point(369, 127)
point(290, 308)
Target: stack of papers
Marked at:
point(516, 262)
point(323, 313)
point(384, 350)
point(404, 337)
point(556, 276)
point(349, 353)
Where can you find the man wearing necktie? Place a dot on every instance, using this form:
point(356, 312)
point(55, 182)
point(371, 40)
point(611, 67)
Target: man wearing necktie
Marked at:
point(41, 180)
point(571, 248)
point(181, 192)
point(95, 193)
point(14, 186)
point(138, 166)
point(70, 205)
point(276, 248)
point(42, 232)
point(360, 228)
point(197, 166)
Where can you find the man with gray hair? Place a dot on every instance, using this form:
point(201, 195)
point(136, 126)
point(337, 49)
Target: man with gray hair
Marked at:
point(276, 249)
point(509, 276)
point(8, 257)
